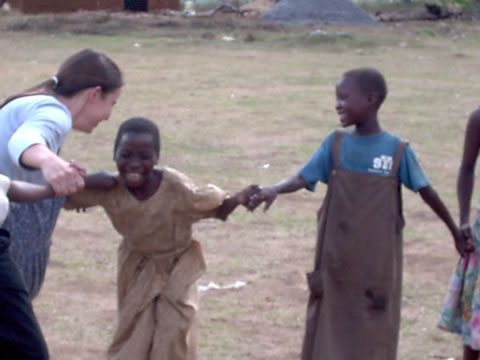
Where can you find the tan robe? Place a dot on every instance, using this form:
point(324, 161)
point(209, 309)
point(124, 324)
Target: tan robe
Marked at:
point(355, 291)
point(158, 265)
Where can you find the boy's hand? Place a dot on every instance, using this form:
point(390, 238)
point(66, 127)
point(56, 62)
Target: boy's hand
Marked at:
point(244, 196)
point(267, 195)
point(230, 203)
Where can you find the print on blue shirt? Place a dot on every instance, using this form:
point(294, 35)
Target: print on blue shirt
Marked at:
point(371, 154)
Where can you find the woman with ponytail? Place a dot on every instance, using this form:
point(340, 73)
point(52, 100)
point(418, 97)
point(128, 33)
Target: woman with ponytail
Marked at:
point(34, 126)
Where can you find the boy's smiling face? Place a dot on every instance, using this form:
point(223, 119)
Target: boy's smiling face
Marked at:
point(136, 157)
point(352, 105)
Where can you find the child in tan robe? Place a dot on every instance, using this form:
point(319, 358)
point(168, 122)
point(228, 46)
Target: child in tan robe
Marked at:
point(158, 262)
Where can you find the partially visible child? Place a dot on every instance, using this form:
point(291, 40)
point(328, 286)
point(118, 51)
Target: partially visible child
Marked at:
point(461, 311)
point(159, 262)
point(355, 289)
point(20, 333)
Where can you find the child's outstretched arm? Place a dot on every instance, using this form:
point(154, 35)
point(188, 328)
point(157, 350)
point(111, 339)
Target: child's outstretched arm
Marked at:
point(466, 174)
point(268, 194)
point(430, 196)
point(21, 191)
point(101, 180)
point(231, 203)
point(96, 185)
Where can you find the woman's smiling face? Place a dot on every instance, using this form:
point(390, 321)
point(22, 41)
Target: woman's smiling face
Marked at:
point(136, 157)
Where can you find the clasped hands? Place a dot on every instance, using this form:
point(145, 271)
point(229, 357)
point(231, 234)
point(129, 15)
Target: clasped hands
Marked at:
point(64, 177)
point(464, 240)
point(252, 196)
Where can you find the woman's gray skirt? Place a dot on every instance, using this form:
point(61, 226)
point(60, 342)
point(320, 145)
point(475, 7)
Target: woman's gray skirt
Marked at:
point(31, 226)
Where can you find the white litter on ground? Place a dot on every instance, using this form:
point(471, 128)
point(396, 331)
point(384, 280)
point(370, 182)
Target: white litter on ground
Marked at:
point(214, 286)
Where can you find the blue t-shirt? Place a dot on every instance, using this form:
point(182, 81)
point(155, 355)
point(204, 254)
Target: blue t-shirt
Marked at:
point(371, 154)
point(26, 121)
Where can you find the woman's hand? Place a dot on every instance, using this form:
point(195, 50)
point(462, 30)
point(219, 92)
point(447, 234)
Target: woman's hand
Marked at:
point(65, 178)
point(81, 170)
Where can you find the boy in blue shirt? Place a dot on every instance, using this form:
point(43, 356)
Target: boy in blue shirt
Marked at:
point(355, 288)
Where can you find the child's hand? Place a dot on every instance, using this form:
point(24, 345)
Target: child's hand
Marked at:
point(466, 233)
point(267, 195)
point(244, 196)
point(463, 240)
point(230, 203)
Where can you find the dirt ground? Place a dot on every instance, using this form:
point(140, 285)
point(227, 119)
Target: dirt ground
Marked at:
point(236, 114)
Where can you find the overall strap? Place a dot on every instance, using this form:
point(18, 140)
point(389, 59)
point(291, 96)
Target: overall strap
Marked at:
point(398, 158)
point(337, 141)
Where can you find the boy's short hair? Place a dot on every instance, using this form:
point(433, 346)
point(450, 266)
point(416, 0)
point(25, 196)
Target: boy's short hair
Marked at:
point(138, 125)
point(370, 81)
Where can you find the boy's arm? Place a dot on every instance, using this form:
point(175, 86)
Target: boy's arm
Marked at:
point(101, 180)
point(269, 194)
point(96, 188)
point(21, 191)
point(430, 196)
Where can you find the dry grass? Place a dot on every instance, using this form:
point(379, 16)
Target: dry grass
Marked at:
point(225, 109)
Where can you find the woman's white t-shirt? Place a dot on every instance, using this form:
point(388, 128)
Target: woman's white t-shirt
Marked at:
point(4, 186)
point(26, 121)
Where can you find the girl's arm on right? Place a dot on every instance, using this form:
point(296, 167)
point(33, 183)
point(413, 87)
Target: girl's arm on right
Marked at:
point(268, 194)
point(21, 191)
point(430, 196)
point(466, 174)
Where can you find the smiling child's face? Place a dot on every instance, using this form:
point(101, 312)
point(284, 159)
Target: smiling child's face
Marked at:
point(352, 103)
point(136, 157)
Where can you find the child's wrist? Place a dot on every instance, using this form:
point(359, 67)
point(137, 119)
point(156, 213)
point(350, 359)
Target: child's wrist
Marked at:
point(240, 198)
point(50, 191)
point(464, 226)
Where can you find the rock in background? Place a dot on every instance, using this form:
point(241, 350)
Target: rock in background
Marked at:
point(318, 12)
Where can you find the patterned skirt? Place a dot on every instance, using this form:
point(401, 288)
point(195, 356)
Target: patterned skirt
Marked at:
point(31, 226)
point(461, 310)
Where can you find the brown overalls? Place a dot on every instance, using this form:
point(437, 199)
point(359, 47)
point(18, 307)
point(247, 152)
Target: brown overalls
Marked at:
point(354, 308)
